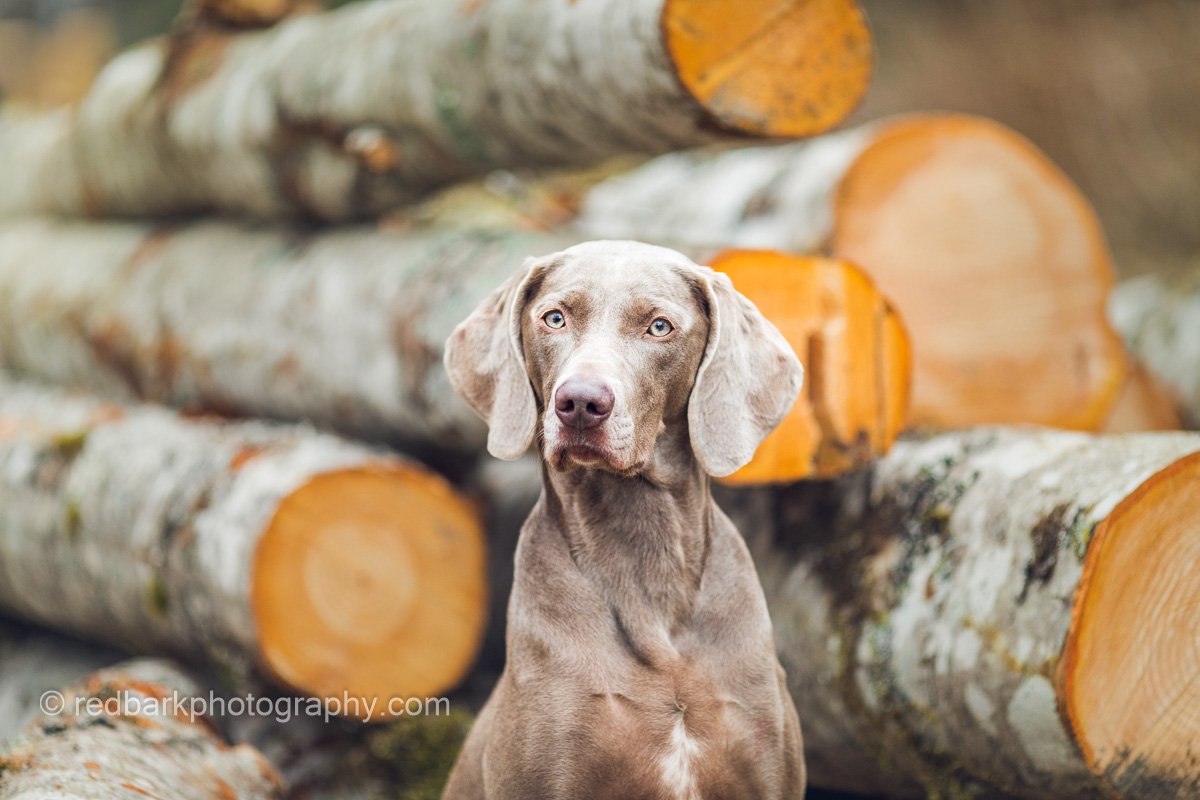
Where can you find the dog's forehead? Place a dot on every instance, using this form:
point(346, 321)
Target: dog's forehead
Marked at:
point(621, 270)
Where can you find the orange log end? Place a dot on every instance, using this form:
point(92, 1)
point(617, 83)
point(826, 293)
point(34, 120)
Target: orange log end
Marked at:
point(1130, 674)
point(999, 267)
point(855, 353)
point(371, 583)
point(771, 67)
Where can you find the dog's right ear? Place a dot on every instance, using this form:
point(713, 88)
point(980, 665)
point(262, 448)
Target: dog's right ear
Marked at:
point(486, 365)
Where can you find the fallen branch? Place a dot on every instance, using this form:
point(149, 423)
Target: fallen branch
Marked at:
point(407, 96)
point(331, 568)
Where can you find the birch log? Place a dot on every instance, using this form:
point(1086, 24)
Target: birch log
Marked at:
point(993, 258)
point(346, 328)
point(124, 732)
point(1161, 325)
point(995, 613)
point(333, 569)
point(409, 94)
point(318, 758)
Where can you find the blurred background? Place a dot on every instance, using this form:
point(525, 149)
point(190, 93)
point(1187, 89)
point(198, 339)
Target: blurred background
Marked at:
point(1110, 89)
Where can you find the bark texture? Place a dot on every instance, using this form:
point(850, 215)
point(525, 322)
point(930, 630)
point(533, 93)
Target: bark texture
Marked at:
point(130, 525)
point(318, 759)
point(991, 255)
point(346, 328)
point(1161, 325)
point(407, 95)
point(138, 744)
point(922, 610)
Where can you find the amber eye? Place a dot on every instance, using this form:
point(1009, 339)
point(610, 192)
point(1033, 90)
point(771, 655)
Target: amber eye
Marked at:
point(554, 319)
point(660, 327)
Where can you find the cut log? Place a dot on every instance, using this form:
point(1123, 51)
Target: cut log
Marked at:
point(127, 732)
point(336, 570)
point(318, 757)
point(992, 256)
point(410, 95)
point(1161, 325)
point(856, 354)
point(346, 328)
point(995, 613)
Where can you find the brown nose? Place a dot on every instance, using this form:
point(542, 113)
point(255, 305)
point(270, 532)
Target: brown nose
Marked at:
point(581, 403)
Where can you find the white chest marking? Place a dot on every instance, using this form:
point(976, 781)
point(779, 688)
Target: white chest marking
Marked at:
point(678, 764)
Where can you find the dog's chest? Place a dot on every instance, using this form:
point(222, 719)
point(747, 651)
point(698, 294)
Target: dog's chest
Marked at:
point(678, 738)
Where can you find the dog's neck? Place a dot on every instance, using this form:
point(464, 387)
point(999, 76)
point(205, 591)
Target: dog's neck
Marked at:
point(642, 540)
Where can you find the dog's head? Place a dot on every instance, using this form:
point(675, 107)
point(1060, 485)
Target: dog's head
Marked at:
point(607, 343)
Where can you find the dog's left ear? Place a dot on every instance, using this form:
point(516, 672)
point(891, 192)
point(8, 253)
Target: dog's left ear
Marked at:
point(486, 364)
point(747, 381)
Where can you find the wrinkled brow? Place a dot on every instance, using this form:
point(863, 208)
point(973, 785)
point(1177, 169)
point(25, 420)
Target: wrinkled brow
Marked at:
point(695, 285)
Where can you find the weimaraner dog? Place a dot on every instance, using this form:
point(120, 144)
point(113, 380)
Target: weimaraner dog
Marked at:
point(641, 662)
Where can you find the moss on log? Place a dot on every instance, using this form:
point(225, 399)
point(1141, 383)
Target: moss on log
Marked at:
point(993, 613)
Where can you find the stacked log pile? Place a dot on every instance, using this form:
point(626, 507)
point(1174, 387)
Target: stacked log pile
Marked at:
point(411, 95)
point(355, 321)
point(202, 419)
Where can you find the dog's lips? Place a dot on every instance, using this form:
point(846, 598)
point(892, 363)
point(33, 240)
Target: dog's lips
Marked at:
point(586, 448)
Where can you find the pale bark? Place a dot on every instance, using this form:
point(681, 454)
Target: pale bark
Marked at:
point(317, 758)
point(349, 113)
point(1161, 325)
point(133, 526)
point(137, 739)
point(921, 609)
point(771, 196)
point(345, 329)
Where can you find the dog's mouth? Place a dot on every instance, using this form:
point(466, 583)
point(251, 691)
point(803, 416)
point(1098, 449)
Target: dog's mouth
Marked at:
point(588, 449)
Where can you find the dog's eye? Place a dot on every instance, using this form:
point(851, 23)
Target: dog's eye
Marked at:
point(554, 319)
point(660, 327)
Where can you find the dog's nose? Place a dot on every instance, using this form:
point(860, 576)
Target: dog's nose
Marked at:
point(582, 403)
